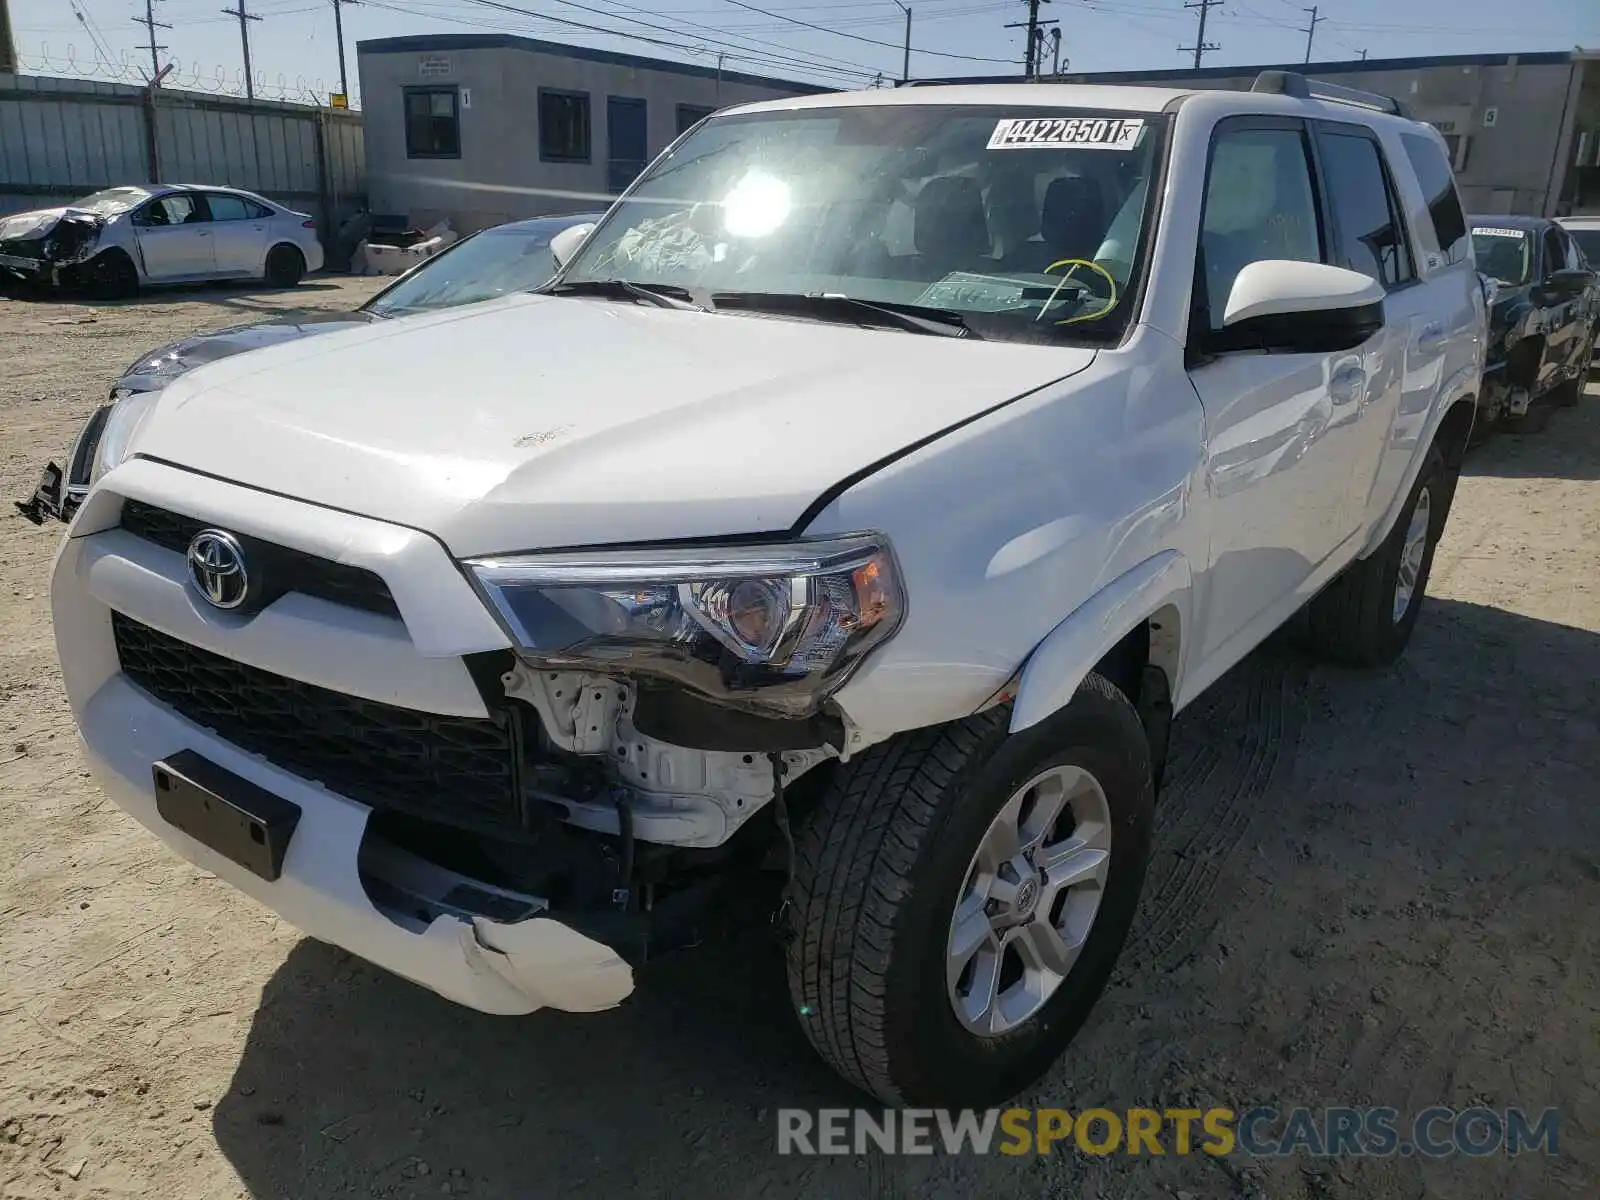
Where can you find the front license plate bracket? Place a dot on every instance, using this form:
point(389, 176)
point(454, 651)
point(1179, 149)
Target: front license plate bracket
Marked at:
point(238, 819)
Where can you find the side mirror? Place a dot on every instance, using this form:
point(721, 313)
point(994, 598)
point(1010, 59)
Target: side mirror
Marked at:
point(1564, 285)
point(1301, 307)
point(565, 244)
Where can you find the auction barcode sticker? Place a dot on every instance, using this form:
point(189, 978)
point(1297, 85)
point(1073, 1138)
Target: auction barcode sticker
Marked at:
point(1498, 231)
point(1052, 133)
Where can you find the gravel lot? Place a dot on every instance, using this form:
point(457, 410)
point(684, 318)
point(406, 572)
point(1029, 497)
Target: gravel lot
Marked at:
point(1370, 889)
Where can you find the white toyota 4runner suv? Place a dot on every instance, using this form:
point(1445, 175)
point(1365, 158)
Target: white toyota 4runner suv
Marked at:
point(860, 500)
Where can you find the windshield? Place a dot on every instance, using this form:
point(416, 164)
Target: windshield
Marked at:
point(492, 263)
point(112, 200)
point(1589, 242)
point(1026, 222)
point(1503, 254)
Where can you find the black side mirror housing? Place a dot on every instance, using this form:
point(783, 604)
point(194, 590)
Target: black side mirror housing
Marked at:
point(1565, 284)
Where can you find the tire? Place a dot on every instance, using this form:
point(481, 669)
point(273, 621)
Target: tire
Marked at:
point(882, 862)
point(111, 275)
point(1358, 619)
point(286, 266)
point(1569, 393)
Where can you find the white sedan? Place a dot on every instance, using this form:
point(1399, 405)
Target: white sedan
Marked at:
point(123, 238)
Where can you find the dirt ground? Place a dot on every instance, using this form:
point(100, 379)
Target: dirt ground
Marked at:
point(1370, 889)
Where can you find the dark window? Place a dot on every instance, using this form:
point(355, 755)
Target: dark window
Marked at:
point(1260, 205)
point(563, 126)
point(1588, 241)
point(1439, 186)
point(433, 122)
point(690, 115)
point(1555, 254)
point(1372, 237)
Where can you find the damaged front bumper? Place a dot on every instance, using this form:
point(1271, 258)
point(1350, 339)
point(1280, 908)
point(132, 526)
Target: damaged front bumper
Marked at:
point(487, 948)
point(61, 491)
point(42, 247)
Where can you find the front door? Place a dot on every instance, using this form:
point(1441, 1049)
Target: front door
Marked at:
point(627, 141)
point(1283, 430)
point(175, 237)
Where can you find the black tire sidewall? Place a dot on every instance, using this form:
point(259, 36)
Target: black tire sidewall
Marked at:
point(934, 1058)
point(1436, 479)
point(285, 266)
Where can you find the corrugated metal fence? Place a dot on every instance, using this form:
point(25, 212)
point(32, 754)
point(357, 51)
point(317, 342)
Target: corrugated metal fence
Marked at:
point(65, 138)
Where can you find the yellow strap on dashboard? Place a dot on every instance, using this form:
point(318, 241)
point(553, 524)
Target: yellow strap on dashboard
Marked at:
point(1072, 264)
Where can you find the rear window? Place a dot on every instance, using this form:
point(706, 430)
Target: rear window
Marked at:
point(1589, 242)
point(1503, 253)
point(1439, 188)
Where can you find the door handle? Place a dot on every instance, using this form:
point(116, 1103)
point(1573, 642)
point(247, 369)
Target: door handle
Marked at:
point(1347, 384)
point(1431, 340)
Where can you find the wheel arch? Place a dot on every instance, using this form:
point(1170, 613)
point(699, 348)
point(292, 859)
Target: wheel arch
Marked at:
point(1450, 425)
point(1138, 620)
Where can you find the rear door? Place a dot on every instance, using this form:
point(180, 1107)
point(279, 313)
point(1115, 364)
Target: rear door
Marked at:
point(239, 232)
point(1371, 236)
point(175, 237)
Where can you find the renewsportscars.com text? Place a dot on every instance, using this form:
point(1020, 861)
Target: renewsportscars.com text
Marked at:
point(1262, 1132)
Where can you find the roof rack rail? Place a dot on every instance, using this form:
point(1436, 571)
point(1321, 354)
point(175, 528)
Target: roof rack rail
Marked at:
point(1292, 83)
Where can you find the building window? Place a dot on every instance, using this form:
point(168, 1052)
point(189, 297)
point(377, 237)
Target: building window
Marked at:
point(563, 126)
point(690, 115)
point(433, 122)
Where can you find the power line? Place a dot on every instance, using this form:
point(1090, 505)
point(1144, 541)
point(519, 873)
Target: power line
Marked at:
point(756, 42)
point(856, 37)
point(1035, 27)
point(244, 37)
point(1201, 47)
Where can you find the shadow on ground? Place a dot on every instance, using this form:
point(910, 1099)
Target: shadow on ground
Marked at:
point(1568, 447)
point(1296, 791)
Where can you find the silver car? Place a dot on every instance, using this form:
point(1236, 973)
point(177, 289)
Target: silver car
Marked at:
point(124, 238)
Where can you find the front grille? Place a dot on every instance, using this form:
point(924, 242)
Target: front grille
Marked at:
point(284, 569)
point(452, 769)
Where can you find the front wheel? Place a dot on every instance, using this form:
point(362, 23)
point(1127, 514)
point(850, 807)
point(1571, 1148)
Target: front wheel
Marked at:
point(961, 895)
point(111, 275)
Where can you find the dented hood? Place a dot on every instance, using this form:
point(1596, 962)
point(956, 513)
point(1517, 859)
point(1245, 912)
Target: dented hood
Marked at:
point(38, 223)
point(536, 421)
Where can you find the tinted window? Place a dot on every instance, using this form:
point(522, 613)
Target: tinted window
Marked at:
point(1439, 186)
point(563, 126)
point(1555, 254)
point(1589, 242)
point(1371, 236)
point(229, 208)
point(433, 123)
point(1503, 253)
point(481, 267)
point(1259, 205)
point(690, 115)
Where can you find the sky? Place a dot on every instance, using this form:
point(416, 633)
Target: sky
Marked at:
point(841, 43)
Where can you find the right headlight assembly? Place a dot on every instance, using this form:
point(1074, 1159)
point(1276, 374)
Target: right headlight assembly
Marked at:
point(770, 628)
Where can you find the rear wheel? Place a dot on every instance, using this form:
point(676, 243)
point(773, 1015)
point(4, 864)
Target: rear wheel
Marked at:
point(961, 895)
point(285, 266)
point(1365, 617)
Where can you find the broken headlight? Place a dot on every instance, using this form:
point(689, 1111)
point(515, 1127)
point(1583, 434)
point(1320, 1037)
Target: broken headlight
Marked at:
point(771, 628)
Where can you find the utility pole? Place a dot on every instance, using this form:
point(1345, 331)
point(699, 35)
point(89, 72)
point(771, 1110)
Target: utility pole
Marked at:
point(1035, 56)
point(1363, 54)
point(338, 36)
point(244, 36)
point(1201, 47)
point(8, 50)
point(905, 65)
point(1055, 39)
point(151, 25)
point(1311, 29)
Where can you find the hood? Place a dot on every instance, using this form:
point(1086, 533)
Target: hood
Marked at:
point(535, 421)
point(160, 367)
point(35, 224)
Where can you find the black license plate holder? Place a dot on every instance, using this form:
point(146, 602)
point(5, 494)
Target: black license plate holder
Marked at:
point(240, 820)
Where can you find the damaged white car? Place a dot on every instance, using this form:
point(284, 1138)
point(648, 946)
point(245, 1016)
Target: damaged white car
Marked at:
point(863, 497)
point(123, 238)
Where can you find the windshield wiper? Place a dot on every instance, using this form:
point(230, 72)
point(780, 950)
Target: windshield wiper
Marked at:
point(914, 318)
point(662, 295)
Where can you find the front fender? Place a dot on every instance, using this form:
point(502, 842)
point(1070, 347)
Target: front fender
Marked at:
point(1059, 663)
